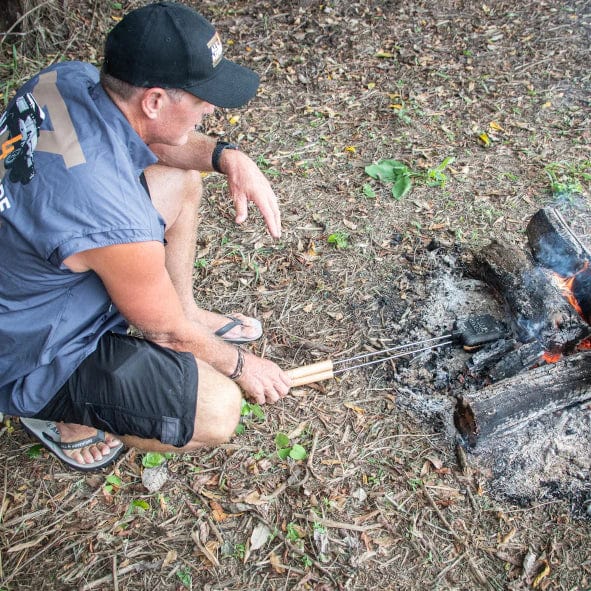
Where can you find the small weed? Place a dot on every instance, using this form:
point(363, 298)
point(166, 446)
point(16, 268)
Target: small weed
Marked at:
point(184, 575)
point(399, 175)
point(154, 459)
point(112, 483)
point(285, 449)
point(339, 239)
point(239, 551)
point(568, 179)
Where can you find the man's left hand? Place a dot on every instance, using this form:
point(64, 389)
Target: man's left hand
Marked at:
point(247, 183)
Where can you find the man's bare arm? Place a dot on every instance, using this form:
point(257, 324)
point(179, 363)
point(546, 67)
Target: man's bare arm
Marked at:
point(137, 281)
point(245, 181)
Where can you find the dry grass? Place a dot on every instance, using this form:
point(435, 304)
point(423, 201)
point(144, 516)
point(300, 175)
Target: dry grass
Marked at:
point(382, 500)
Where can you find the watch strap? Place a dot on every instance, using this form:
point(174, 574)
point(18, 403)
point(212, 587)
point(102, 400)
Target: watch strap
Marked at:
point(217, 154)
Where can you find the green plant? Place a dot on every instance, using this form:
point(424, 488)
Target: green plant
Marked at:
point(239, 551)
point(184, 575)
point(566, 178)
point(137, 506)
point(392, 172)
point(293, 532)
point(339, 239)
point(399, 175)
point(112, 483)
point(34, 451)
point(154, 459)
point(286, 450)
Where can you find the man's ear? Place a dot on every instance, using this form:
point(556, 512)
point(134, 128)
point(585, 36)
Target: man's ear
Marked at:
point(153, 100)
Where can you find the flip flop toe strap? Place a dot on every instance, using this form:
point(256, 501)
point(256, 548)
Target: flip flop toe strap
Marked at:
point(98, 438)
point(234, 322)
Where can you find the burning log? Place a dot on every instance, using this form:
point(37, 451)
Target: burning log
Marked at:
point(512, 403)
point(537, 308)
point(554, 245)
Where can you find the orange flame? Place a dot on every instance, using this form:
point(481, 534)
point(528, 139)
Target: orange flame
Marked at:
point(565, 285)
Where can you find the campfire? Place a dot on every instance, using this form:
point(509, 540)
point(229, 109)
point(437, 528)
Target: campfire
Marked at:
point(517, 405)
point(546, 297)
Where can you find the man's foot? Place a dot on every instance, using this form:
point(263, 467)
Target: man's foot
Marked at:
point(235, 328)
point(81, 448)
point(71, 433)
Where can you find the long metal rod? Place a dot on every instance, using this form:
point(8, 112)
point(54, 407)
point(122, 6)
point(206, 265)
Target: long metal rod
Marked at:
point(415, 344)
point(388, 358)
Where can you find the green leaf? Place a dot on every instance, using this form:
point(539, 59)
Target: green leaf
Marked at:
point(298, 452)
point(113, 480)
point(387, 170)
point(140, 504)
point(185, 577)
point(282, 440)
point(401, 187)
point(240, 429)
point(283, 453)
point(152, 459)
point(368, 191)
point(34, 451)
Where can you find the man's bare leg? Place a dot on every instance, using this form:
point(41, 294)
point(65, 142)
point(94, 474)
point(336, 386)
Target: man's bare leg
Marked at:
point(176, 194)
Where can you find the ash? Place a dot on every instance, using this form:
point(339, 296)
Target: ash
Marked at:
point(549, 458)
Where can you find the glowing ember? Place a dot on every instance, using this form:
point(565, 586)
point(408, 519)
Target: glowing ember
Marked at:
point(551, 357)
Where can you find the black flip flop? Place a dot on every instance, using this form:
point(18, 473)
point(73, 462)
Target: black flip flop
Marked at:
point(48, 434)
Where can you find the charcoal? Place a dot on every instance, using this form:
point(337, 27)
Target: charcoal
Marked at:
point(521, 359)
point(490, 355)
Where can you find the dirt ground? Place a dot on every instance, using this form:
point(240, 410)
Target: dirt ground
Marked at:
point(384, 498)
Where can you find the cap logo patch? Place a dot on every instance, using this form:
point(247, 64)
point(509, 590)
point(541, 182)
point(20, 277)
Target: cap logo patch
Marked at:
point(216, 48)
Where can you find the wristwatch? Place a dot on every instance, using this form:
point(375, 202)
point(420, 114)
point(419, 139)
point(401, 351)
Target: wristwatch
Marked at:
point(217, 153)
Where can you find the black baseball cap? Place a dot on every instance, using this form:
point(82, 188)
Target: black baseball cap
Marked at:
point(170, 45)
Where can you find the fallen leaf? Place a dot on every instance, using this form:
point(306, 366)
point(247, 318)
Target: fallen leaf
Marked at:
point(544, 573)
point(217, 512)
point(260, 535)
point(276, 563)
point(351, 406)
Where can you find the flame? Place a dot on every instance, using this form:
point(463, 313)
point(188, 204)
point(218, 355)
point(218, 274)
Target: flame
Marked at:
point(565, 285)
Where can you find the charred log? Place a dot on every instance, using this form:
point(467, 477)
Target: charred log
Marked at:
point(553, 243)
point(513, 403)
point(537, 308)
point(490, 355)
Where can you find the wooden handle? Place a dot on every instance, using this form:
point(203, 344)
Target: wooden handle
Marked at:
point(308, 370)
point(311, 378)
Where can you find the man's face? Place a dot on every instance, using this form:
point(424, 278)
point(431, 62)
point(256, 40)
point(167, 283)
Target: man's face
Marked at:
point(178, 118)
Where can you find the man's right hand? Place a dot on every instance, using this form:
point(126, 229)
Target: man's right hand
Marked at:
point(262, 380)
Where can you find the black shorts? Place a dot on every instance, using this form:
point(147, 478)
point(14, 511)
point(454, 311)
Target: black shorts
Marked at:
point(130, 386)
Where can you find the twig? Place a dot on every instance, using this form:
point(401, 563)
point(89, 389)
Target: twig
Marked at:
point(340, 524)
point(115, 578)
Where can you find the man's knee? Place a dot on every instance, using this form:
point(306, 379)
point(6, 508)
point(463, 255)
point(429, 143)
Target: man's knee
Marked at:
point(218, 413)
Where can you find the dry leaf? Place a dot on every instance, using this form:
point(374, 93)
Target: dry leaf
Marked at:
point(260, 535)
point(276, 563)
point(217, 512)
point(170, 558)
point(357, 409)
point(544, 573)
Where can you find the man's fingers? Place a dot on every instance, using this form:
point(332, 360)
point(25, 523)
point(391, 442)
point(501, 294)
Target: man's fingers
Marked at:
point(241, 207)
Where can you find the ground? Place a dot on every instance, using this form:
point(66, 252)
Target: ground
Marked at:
point(384, 498)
